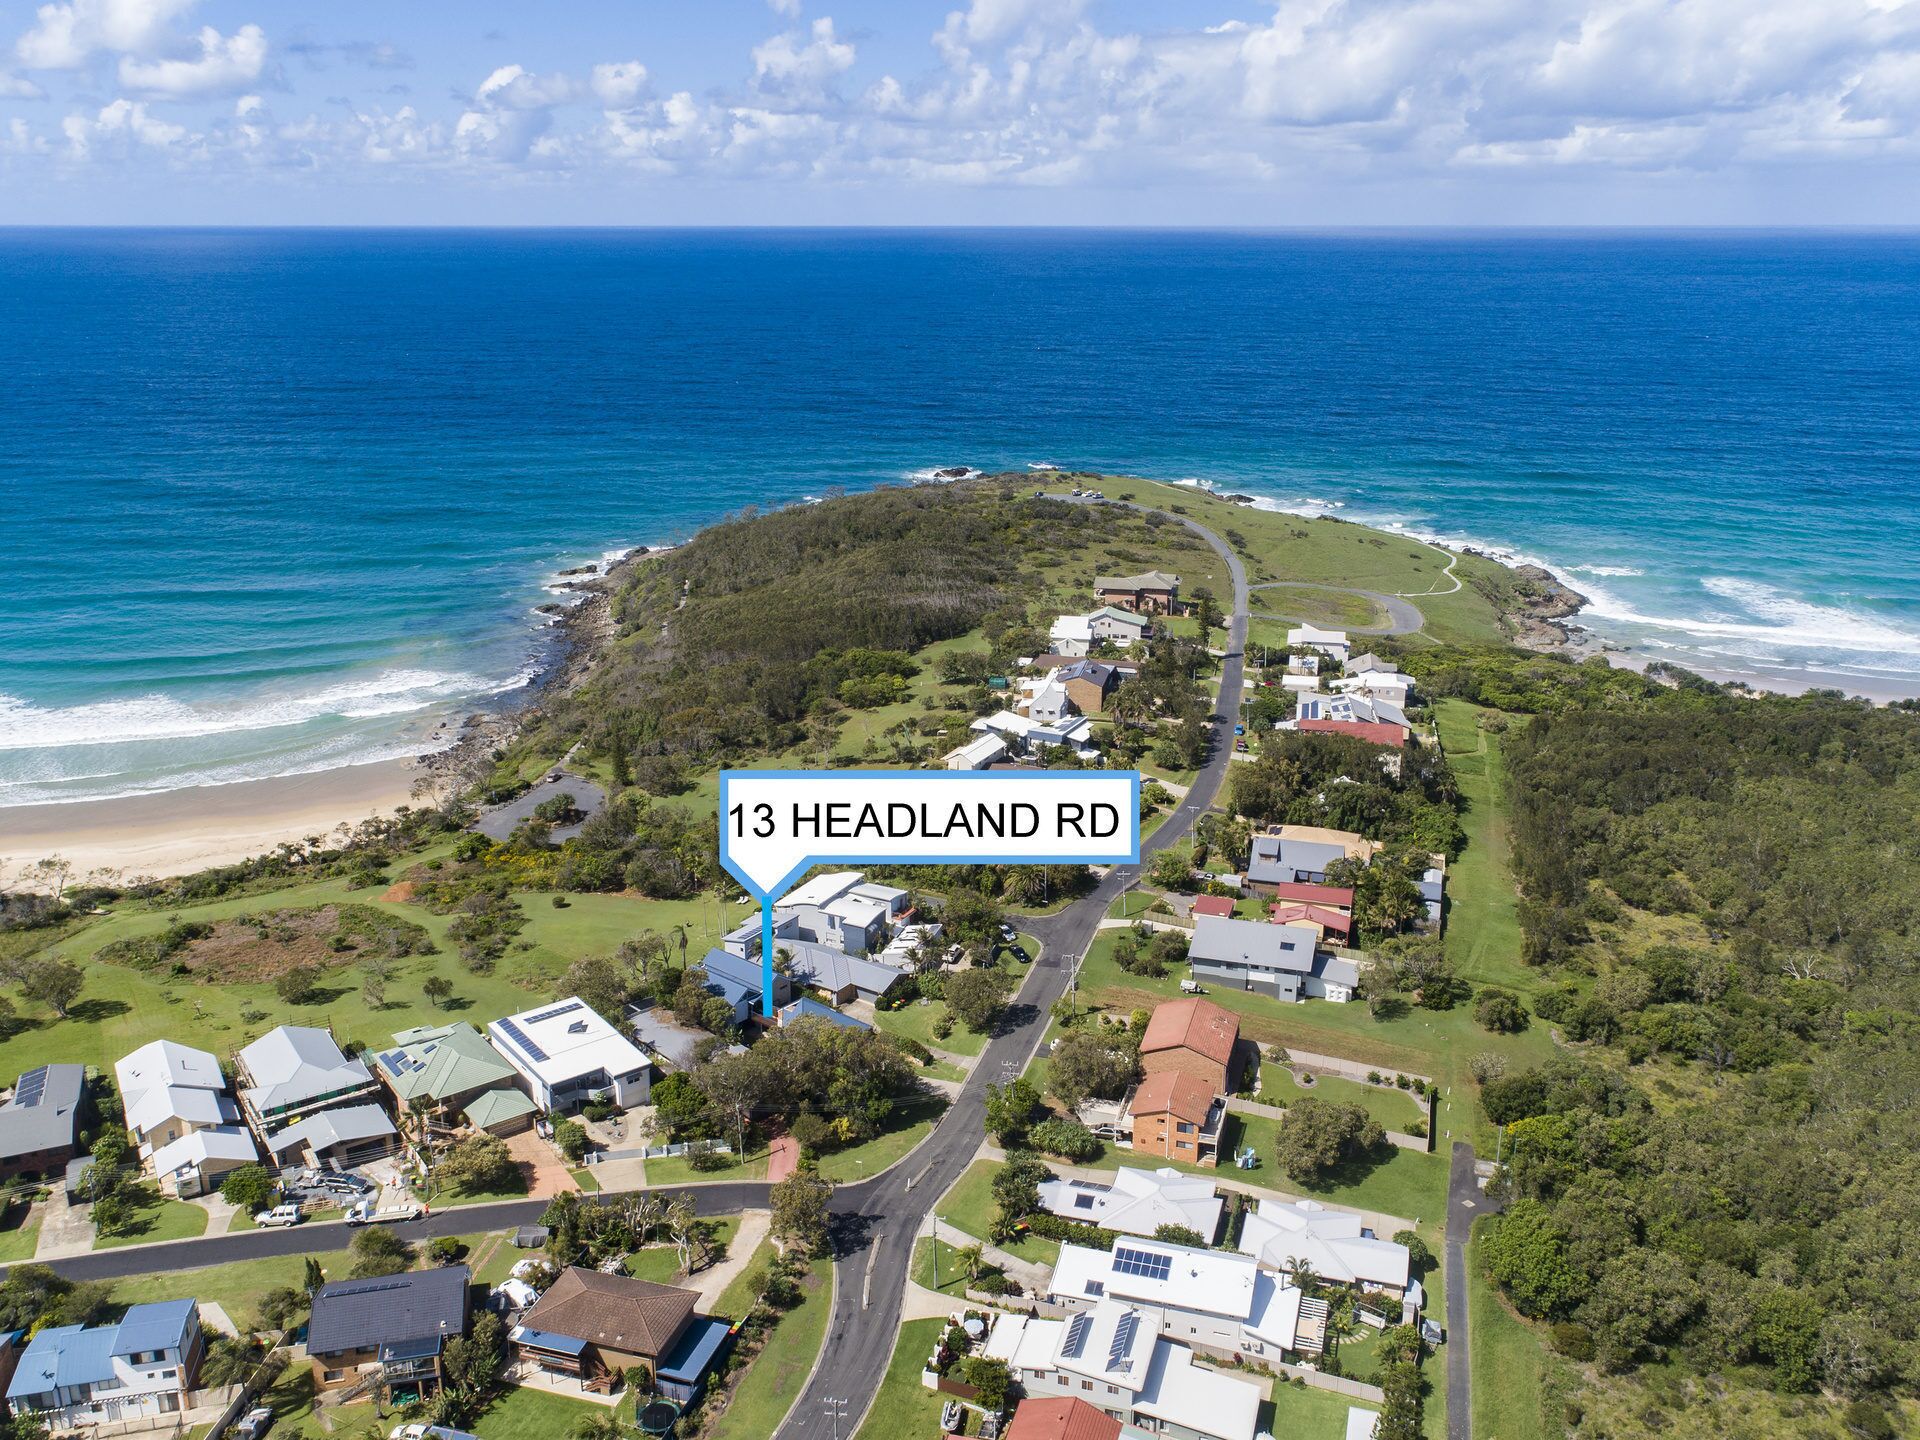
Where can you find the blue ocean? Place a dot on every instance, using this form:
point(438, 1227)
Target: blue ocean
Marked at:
point(280, 501)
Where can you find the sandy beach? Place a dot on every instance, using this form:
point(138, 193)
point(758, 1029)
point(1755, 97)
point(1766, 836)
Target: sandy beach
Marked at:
point(182, 831)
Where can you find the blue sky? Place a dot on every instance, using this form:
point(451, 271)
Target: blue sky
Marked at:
point(1205, 112)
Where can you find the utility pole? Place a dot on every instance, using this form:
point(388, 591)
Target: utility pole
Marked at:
point(838, 1410)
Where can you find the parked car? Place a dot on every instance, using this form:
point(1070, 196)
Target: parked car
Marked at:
point(255, 1423)
point(365, 1213)
point(280, 1215)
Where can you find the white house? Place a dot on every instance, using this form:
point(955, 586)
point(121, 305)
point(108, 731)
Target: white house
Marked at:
point(1049, 704)
point(1071, 635)
point(1336, 1244)
point(170, 1092)
point(1213, 1300)
point(1138, 1202)
point(568, 1054)
point(844, 910)
point(1027, 735)
point(1122, 627)
point(138, 1369)
point(1112, 1357)
point(295, 1070)
point(1331, 643)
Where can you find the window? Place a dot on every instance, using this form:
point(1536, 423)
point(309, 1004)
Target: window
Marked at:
point(1086, 1384)
point(1083, 1202)
point(332, 1375)
point(1183, 1145)
point(1185, 1127)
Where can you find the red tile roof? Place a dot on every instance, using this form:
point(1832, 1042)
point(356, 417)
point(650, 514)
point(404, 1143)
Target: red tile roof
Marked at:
point(1061, 1418)
point(1286, 913)
point(1334, 895)
point(1192, 1024)
point(1213, 905)
point(1170, 1092)
point(1376, 732)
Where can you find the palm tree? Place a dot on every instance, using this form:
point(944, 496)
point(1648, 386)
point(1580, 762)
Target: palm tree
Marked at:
point(599, 1425)
point(229, 1361)
point(679, 934)
point(970, 1258)
point(1302, 1274)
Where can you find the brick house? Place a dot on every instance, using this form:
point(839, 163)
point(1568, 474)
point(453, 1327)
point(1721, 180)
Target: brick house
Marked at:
point(1193, 1037)
point(1088, 683)
point(1177, 1117)
point(1152, 593)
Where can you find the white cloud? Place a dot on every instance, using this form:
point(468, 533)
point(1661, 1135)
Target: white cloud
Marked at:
point(120, 127)
point(18, 87)
point(64, 35)
point(802, 66)
point(226, 63)
point(619, 84)
point(788, 8)
point(513, 88)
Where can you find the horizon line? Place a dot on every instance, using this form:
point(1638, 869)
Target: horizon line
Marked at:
point(1487, 228)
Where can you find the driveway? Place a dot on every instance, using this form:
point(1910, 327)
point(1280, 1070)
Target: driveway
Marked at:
point(64, 1229)
point(546, 1176)
point(1465, 1204)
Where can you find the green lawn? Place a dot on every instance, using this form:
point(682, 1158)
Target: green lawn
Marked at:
point(969, 1206)
point(1509, 1363)
point(1405, 1183)
point(19, 1233)
point(661, 1263)
point(904, 1409)
point(455, 1195)
point(588, 1182)
point(121, 1009)
point(950, 1276)
point(777, 1374)
point(162, 1220)
point(677, 1170)
point(916, 1022)
point(908, 1126)
point(737, 1299)
point(532, 1415)
point(237, 1287)
point(1427, 1042)
point(1483, 925)
point(1300, 1412)
point(1391, 1106)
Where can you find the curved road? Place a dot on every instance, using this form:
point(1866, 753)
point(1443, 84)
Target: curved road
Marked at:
point(875, 1221)
point(1402, 618)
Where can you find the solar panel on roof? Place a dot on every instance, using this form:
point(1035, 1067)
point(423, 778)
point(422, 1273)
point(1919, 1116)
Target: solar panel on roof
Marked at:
point(1077, 1328)
point(1143, 1263)
point(520, 1038)
point(566, 1009)
point(1122, 1340)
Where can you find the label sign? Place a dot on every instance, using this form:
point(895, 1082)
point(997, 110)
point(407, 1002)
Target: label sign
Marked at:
point(777, 824)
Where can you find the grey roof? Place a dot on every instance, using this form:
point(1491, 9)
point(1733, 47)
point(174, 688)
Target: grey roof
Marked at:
point(334, 1127)
point(360, 1314)
point(829, 969)
point(1098, 671)
point(1221, 940)
point(44, 1111)
point(1337, 971)
point(293, 1063)
point(1276, 859)
point(1361, 664)
point(663, 1037)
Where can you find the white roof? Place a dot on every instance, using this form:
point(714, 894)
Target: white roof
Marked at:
point(1361, 1423)
point(1215, 1282)
point(292, 1063)
point(1331, 1241)
point(975, 753)
point(1138, 1202)
point(150, 1108)
point(190, 1152)
point(1051, 696)
point(563, 1041)
point(1160, 1376)
point(1276, 1311)
point(1351, 705)
point(1312, 635)
point(1178, 1390)
point(1071, 731)
point(823, 889)
point(1072, 627)
point(167, 1062)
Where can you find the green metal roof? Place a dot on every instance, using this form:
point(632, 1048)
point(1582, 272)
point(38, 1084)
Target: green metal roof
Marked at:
point(497, 1105)
point(448, 1060)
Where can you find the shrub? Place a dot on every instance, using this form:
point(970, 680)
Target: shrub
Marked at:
point(1571, 1339)
point(571, 1138)
point(1068, 1139)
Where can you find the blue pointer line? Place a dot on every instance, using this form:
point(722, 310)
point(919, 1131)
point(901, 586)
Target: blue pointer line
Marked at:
point(766, 955)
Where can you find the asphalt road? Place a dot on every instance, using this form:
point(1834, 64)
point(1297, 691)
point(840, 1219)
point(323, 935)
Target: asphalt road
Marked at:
point(588, 797)
point(1465, 1204)
point(878, 1220)
point(875, 1221)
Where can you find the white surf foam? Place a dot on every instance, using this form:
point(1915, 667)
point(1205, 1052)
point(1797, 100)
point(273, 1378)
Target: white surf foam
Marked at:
point(27, 726)
point(1770, 617)
point(1606, 570)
